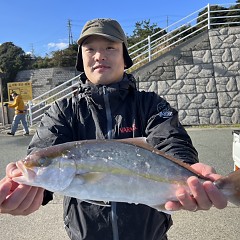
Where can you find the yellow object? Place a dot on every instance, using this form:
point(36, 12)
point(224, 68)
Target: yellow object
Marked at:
point(18, 105)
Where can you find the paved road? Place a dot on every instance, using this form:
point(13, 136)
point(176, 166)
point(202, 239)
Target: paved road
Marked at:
point(214, 147)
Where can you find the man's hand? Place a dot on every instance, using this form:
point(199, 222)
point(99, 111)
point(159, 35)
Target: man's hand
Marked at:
point(18, 199)
point(203, 195)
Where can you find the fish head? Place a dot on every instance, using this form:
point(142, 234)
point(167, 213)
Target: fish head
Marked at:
point(54, 173)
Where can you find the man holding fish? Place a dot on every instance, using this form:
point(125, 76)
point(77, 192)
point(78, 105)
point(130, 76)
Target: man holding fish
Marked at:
point(109, 107)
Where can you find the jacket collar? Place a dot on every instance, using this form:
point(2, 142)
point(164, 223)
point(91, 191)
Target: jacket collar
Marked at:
point(128, 82)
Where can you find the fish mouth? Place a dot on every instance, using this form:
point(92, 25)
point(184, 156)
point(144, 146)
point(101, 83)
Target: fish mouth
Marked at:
point(27, 174)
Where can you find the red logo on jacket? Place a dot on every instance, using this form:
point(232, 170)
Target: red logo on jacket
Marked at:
point(128, 129)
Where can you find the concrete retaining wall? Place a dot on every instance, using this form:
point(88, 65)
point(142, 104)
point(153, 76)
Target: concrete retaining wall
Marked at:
point(200, 78)
point(45, 79)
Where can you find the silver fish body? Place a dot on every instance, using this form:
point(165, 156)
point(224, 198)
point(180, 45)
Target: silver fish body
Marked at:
point(127, 170)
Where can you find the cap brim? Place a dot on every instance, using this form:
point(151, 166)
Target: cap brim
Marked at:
point(111, 38)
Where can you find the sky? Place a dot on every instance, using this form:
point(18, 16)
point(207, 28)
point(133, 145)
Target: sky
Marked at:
point(42, 26)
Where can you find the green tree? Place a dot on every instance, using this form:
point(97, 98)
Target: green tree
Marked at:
point(141, 32)
point(221, 16)
point(144, 29)
point(66, 57)
point(181, 34)
point(60, 58)
point(41, 62)
point(233, 15)
point(12, 60)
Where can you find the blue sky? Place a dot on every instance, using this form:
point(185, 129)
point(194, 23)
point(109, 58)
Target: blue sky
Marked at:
point(41, 26)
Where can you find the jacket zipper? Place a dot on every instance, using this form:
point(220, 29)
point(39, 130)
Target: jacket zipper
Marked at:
point(109, 134)
point(108, 112)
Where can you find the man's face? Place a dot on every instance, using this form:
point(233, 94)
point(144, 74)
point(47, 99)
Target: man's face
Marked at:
point(103, 60)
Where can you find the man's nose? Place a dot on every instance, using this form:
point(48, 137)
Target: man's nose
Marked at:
point(100, 55)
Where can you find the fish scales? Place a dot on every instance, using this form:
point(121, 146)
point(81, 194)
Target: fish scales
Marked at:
point(121, 158)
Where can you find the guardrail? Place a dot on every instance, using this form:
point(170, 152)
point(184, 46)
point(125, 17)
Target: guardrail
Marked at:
point(210, 16)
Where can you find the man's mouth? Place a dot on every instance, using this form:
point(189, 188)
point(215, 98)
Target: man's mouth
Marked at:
point(100, 67)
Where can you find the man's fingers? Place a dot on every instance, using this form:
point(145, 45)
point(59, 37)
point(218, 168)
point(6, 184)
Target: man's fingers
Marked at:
point(16, 198)
point(32, 200)
point(199, 193)
point(173, 206)
point(36, 202)
point(185, 201)
point(12, 170)
point(216, 197)
point(23, 201)
point(5, 188)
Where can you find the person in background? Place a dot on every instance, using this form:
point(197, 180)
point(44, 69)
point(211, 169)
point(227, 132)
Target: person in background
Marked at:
point(109, 106)
point(20, 114)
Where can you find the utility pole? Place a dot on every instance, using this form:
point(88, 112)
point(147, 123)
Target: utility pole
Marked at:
point(70, 37)
point(167, 24)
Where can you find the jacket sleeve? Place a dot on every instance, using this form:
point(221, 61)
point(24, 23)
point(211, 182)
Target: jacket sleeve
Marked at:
point(14, 104)
point(165, 132)
point(55, 128)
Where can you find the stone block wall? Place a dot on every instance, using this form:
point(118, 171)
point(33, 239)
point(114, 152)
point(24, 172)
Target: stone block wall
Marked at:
point(200, 78)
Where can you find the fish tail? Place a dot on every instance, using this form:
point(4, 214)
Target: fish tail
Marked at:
point(230, 186)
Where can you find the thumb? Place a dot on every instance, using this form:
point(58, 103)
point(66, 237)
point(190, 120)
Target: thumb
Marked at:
point(12, 170)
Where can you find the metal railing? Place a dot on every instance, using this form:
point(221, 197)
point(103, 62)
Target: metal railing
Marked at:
point(210, 16)
point(205, 18)
point(40, 104)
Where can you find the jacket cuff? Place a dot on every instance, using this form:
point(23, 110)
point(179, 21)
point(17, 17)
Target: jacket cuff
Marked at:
point(47, 197)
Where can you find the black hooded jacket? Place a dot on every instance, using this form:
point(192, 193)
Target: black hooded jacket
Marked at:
point(116, 111)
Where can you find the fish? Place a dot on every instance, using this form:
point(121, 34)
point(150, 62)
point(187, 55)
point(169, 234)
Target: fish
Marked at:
point(117, 170)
